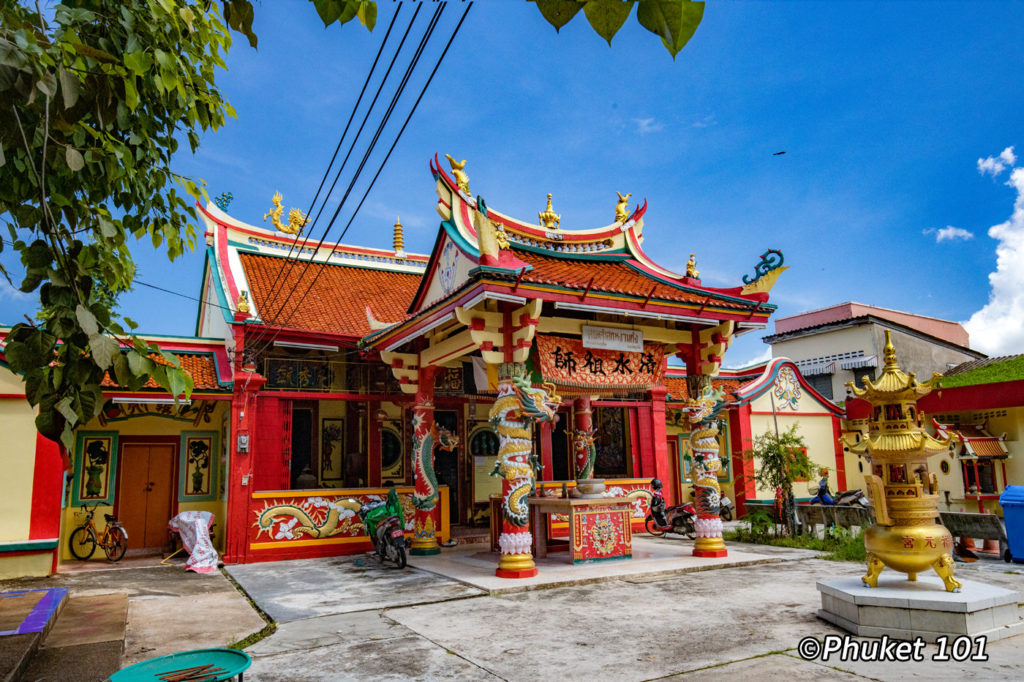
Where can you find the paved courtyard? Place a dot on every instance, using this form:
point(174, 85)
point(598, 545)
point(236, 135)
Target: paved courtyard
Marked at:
point(349, 618)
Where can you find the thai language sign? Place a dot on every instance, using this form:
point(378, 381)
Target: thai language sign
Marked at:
point(610, 338)
point(568, 364)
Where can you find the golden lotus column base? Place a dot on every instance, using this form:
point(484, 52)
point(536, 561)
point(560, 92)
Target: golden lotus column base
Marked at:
point(710, 547)
point(425, 546)
point(516, 566)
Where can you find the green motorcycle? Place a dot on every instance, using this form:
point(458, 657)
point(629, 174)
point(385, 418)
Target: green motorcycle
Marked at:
point(383, 522)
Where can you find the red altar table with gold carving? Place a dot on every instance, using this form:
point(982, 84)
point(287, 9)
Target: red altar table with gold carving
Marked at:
point(600, 527)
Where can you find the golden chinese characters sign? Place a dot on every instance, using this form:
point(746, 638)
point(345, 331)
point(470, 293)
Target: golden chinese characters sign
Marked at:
point(567, 364)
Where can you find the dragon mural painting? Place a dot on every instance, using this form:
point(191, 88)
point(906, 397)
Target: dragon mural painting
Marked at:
point(425, 435)
point(702, 413)
point(518, 405)
point(315, 518)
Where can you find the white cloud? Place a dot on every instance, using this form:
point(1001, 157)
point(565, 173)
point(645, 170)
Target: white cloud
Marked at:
point(706, 122)
point(763, 356)
point(998, 328)
point(7, 292)
point(949, 233)
point(647, 125)
point(997, 164)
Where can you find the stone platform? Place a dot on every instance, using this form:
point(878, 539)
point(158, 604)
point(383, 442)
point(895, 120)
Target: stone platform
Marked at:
point(905, 610)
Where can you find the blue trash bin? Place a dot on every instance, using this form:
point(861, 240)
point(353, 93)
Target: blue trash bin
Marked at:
point(1012, 502)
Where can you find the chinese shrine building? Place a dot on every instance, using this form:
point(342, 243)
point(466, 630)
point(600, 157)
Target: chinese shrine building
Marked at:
point(330, 371)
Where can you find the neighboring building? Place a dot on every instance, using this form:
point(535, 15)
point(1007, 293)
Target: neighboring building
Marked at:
point(760, 399)
point(844, 343)
point(981, 405)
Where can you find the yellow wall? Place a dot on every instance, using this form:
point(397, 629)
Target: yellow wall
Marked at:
point(814, 425)
point(26, 565)
point(156, 426)
point(17, 424)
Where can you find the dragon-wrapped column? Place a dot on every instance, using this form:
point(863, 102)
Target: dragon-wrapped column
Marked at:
point(515, 448)
point(703, 416)
point(425, 494)
point(583, 438)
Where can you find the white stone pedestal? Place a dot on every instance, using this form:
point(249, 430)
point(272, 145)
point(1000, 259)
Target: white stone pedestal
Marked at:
point(905, 610)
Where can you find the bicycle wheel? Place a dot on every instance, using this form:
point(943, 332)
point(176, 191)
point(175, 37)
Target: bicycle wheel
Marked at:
point(82, 543)
point(117, 543)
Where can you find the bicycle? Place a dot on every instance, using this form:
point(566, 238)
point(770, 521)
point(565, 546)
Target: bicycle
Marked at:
point(113, 540)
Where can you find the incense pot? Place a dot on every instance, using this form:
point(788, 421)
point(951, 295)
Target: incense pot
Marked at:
point(906, 536)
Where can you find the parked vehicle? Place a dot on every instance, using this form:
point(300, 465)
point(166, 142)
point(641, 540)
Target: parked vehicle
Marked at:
point(113, 539)
point(675, 519)
point(725, 509)
point(383, 522)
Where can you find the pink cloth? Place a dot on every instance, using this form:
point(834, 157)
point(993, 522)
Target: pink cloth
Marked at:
point(194, 529)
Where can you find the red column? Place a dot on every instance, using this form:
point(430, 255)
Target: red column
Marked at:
point(659, 443)
point(240, 471)
point(583, 438)
point(840, 458)
point(546, 455)
point(742, 466)
point(644, 442)
point(425, 483)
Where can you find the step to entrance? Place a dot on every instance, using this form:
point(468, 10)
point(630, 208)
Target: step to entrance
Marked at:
point(90, 632)
point(26, 618)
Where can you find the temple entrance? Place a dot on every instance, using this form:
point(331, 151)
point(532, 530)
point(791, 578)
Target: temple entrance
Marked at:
point(302, 442)
point(446, 464)
point(562, 466)
point(144, 503)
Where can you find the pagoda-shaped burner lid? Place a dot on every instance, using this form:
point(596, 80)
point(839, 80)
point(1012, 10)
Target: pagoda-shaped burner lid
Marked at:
point(893, 384)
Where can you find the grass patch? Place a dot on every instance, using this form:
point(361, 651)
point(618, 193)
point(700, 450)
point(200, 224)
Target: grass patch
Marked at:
point(838, 544)
point(268, 629)
point(1010, 369)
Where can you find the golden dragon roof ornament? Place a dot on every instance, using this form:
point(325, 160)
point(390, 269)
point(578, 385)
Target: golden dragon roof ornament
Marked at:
point(296, 220)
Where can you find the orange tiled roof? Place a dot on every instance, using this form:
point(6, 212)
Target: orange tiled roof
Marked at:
point(201, 367)
point(337, 302)
point(677, 391)
point(613, 276)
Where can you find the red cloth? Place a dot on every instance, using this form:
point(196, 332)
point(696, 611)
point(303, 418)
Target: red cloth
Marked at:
point(194, 529)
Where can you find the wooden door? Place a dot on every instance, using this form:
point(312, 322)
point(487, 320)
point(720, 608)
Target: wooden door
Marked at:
point(145, 502)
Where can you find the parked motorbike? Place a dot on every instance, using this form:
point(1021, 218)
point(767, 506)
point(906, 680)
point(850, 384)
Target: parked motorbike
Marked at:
point(676, 519)
point(725, 509)
point(383, 522)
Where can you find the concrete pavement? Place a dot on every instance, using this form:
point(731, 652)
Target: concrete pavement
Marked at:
point(740, 622)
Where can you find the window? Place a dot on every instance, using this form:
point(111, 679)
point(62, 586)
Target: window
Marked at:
point(985, 484)
point(822, 383)
point(860, 373)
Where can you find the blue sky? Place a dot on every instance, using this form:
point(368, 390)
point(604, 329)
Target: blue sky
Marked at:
point(884, 111)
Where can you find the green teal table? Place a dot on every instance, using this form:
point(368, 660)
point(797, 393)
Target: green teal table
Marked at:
point(199, 665)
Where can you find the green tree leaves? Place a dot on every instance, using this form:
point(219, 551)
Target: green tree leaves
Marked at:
point(674, 21)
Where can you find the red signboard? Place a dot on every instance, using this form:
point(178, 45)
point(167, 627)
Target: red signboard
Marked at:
point(567, 364)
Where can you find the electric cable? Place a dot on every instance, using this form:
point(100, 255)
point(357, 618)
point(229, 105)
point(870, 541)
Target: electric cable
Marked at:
point(272, 317)
point(274, 292)
point(337, 148)
point(393, 145)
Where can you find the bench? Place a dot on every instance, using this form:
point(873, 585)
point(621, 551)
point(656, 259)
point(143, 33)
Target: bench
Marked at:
point(844, 516)
point(978, 526)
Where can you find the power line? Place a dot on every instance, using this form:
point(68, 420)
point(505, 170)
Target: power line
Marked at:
point(399, 91)
point(274, 292)
point(341, 139)
point(393, 145)
point(373, 142)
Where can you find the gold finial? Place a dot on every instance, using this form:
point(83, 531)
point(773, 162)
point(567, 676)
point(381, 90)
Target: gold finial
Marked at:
point(548, 217)
point(691, 267)
point(296, 220)
point(461, 179)
point(399, 240)
point(889, 352)
point(622, 208)
point(242, 304)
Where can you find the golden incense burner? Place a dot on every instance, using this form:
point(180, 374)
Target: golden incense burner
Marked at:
point(906, 536)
